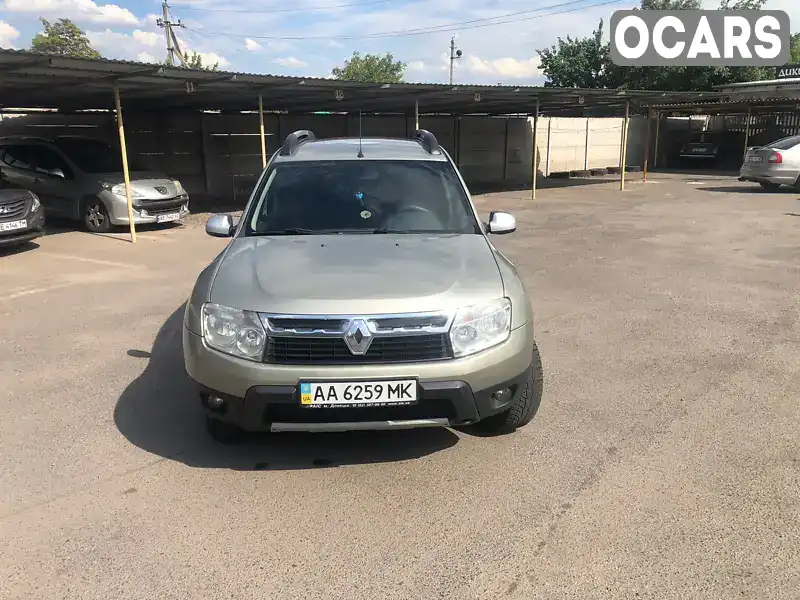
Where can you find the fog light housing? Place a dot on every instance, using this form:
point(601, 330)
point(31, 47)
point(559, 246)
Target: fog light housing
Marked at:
point(213, 403)
point(144, 213)
point(502, 397)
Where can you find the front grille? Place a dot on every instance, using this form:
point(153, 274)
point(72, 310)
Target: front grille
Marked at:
point(306, 324)
point(163, 211)
point(13, 209)
point(322, 350)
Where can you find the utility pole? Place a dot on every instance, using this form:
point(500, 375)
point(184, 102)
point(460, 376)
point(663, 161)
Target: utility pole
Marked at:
point(173, 49)
point(454, 56)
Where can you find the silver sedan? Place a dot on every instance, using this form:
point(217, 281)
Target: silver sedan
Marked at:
point(774, 164)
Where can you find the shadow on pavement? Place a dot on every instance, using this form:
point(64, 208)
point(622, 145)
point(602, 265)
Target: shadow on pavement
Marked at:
point(22, 248)
point(745, 189)
point(543, 183)
point(160, 413)
point(56, 226)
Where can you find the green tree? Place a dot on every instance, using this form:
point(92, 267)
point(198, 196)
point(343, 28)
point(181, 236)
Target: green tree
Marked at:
point(795, 49)
point(573, 62)
point(576, 62)
point(371, 68)
point(671, 5)
point(742, 4)
point(63, 38)
point(195, 61)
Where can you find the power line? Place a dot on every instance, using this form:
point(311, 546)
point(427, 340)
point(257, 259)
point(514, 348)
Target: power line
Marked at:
point(458, 26)
point(280, 10)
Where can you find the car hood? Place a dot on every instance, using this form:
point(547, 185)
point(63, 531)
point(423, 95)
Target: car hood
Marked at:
point(356, 274)
point(13, 193)
point(143, 177)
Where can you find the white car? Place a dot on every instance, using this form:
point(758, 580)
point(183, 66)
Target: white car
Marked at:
point(773, 165)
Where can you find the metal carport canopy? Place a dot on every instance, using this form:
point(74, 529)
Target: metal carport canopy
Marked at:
point(32, 80)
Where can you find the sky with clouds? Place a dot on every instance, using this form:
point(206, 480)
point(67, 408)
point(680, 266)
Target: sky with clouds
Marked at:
point(498, 38)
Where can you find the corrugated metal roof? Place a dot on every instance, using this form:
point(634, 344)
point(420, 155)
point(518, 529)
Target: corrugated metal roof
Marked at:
point(36, 80)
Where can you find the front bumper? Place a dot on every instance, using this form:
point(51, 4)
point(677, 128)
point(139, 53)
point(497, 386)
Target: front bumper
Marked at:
point(257, 396)
point(35, 229)
point(144, 211)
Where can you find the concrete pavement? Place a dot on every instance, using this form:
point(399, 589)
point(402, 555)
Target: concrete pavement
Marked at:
point(663, 463)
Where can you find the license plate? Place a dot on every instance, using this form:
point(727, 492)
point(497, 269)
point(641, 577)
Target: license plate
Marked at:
point(13, 225)
point(359, 393)
point(756, 158)
point(702, 150)
point(168, 218)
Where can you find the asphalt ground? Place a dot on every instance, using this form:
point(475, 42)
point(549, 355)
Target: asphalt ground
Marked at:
point(664, 461)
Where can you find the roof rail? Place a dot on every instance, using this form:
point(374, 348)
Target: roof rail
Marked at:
point(294, 140)
point(428, 141)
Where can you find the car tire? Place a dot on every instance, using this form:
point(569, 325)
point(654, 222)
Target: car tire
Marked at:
point(222, 432)
point(95, 216)
point(524, 409)
point(769, 186)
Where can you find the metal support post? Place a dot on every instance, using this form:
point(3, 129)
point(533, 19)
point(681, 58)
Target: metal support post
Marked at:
point(747, 132)
point(261, 129)
point(547, 152)
point(647, 147)
point(658, 131)
point(125, 173)
point(534, 150)
point(586, 148)
point(624, 149)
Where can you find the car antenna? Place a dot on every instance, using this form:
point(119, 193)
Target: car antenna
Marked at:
point(360, 153)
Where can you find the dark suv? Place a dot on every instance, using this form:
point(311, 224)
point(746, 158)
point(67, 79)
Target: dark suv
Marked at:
point(21, 214)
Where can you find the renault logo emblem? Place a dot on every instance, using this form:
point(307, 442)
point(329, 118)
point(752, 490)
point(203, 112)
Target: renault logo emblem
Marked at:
point(358, 337)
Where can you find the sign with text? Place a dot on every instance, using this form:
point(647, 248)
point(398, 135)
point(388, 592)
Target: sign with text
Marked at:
point(788, 72)
point(700, 38)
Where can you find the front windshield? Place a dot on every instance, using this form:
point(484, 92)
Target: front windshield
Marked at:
point(362, 196)
point(94, 156)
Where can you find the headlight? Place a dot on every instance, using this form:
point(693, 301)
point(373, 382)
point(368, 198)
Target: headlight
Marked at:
point(481, 326)
point(179, 187)
point(35, 204)
point(119, 190)
point(233, 331)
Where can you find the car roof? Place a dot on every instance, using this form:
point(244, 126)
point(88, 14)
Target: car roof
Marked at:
point(372, 148)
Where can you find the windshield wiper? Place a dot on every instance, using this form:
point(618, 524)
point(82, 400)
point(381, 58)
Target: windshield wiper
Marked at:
point(419, 231)
point(289, 231)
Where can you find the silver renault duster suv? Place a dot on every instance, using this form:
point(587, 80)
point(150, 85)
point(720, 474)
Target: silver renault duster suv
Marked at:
point(360, 291)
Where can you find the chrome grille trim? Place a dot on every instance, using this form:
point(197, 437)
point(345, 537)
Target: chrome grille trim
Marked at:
point(381, 325)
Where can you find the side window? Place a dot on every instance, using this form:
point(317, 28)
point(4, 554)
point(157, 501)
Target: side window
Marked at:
point(47, 159)
point(18, 157)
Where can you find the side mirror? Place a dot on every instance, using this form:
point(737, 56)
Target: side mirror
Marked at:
point(220, 226)
point(501, 222)
point(57, 173)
